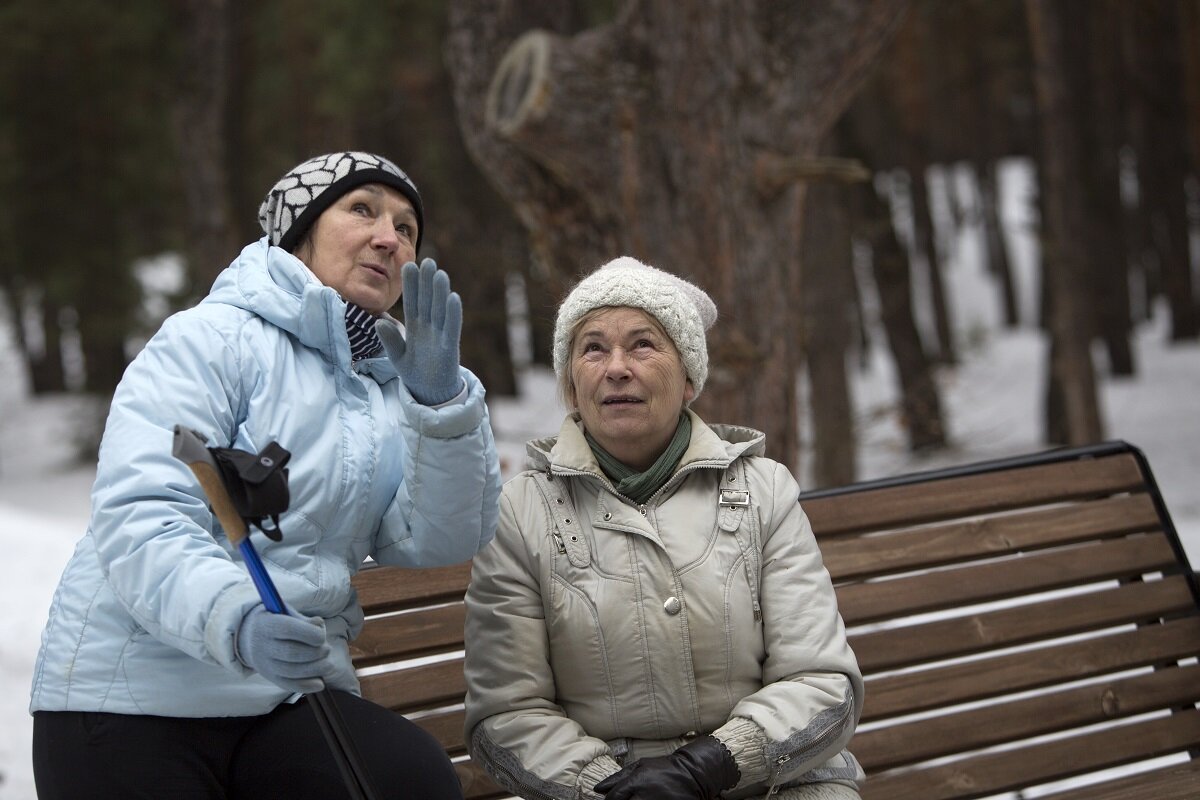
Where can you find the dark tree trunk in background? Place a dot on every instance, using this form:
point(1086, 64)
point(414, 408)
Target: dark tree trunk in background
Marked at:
point(908, 83)
point(698, 119)
point(1189, 35)
point(987, 182)
point(1159, 120)
point(921, 407)
point(1105, 243)
point(928, 245)
point(827, 316)
point(43, 359)
point(1059, 60)
point(471, 232)
point(199, 124)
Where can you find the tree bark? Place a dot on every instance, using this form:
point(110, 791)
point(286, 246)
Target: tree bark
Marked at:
point(198, 119)
point(1105, 243)
point(927, 245)
point(1059, 57)
point(1159, 135)
point(998, 263)
point(827, 293)
point(919, 401)
point(644, 136)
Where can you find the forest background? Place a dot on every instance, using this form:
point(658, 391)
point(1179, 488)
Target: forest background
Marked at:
point(784, 155)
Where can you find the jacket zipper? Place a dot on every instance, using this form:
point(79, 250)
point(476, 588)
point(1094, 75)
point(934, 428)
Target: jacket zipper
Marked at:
point(786, 757)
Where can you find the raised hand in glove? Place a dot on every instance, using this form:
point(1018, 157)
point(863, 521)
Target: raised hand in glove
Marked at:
point(290, 652)
point(699, 770)
point(426, 356)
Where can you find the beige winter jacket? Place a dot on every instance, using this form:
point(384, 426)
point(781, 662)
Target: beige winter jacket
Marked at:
point(599, 632)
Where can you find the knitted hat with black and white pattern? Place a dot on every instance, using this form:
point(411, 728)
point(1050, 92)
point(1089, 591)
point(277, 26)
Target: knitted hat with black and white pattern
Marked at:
point(295, 202)
point(683, 309)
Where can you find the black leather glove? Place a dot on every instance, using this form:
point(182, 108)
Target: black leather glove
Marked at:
point(699, 770)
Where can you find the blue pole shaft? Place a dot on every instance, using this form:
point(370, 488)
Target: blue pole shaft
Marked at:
point(262, 581)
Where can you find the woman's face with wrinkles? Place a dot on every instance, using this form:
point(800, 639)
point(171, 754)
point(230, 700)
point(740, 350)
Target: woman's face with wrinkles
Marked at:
point(628, 383)
point(358, 245)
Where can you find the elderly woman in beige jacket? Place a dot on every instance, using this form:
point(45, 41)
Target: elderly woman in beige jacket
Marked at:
point(653, 619)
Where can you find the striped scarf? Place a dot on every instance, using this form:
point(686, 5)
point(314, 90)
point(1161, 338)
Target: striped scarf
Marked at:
point(360, 327)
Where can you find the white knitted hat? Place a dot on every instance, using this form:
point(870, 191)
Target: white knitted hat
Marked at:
point(682, 308)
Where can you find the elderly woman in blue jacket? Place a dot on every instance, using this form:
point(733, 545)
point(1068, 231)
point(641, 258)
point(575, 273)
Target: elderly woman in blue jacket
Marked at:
point(161, 673)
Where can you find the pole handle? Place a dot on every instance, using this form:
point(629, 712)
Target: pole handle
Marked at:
point(189, 447)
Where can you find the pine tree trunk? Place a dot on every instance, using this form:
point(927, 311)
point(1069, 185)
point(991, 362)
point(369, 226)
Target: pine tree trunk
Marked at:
point(199, 126)
point(1105, 244)
point(919, 401)
point(827, 292)
point(998, 262)
point(676, 134)
point(1059, 58)
point(1160, 116)
point(928, 246)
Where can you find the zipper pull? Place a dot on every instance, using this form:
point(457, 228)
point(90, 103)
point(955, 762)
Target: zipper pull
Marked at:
point(757, 611)
point(558, 540)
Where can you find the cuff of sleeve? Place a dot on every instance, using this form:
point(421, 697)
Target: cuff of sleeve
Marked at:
point(593, 772)
point(221, 628)
point(747, 742)
point(457, 400)
point(456, 417)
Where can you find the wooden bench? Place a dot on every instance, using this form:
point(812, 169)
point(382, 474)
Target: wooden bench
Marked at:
point(1020, 622)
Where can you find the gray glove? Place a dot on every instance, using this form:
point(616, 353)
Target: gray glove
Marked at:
point(426, 356)
point(290, 652)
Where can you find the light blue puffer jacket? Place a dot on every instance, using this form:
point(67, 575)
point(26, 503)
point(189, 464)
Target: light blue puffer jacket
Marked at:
point(145, 614)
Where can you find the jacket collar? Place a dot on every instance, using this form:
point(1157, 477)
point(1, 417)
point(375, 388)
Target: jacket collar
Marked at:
point(712, 445)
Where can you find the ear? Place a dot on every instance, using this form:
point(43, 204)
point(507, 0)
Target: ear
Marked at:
point(689, 392)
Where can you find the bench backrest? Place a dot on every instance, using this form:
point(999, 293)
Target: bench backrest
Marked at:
point(1018, 622)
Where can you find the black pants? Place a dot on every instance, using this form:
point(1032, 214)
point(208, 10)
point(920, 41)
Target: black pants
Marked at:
point(283, 754)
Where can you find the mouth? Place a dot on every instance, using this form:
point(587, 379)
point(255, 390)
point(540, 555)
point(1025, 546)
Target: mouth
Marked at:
point(620, 400)
point(378, 269)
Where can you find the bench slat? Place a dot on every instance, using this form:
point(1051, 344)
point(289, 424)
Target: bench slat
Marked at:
point(384, 589)
point(1140, 601)
point(409, 635)
point(949, 498)
point(985, 726)
point(990, 773)
point(1004, 578)
point(447, 728)
point(857, 557)
point(416, 687)
point(1176, 782)
point(980, 679)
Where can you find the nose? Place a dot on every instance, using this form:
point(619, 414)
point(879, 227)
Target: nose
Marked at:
point(384, 237)
point(617, 367)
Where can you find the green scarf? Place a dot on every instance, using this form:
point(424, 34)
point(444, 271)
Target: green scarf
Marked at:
point(639, 486)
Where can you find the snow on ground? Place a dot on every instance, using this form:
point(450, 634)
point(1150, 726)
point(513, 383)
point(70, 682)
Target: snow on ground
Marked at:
point(992, 403)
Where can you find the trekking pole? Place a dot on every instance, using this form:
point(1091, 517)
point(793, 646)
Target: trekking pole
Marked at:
point(189, 447)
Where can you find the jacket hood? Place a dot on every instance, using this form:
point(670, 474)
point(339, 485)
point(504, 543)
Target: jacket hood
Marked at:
point(274, 285)
point(716, 445)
